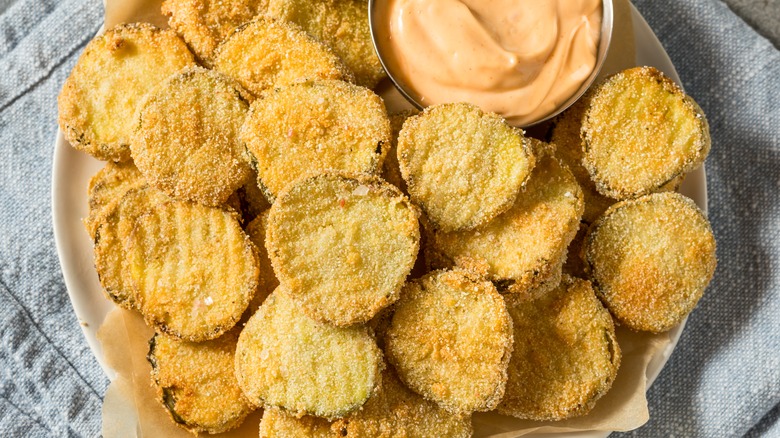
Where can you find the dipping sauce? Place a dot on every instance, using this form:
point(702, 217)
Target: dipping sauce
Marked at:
point(521, 59)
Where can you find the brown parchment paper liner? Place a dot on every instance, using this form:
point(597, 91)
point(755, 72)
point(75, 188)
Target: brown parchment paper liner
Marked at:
point(130, 408)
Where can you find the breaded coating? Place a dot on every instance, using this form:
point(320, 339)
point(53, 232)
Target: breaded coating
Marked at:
point(107, 187)
point(267, 282)
point(641, 131)
point(342, 245)
point(462, 166)
point(288, 360)
point(109, 243)
point(193, 269)
point(268, 53)
point(186, 140)
point(204, 24)
point(525, 247)
point(340, 24)
point(568, 148)
point(196, 382)
point(650, 260)
point(450, 341)
point(314, 126)
point(397, 412)
point(393, 412)
point(276, 423)
point(391, 170)
point(566, 355)
point(99, 98)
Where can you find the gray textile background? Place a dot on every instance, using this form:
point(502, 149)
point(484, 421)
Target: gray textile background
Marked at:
point(723, 380)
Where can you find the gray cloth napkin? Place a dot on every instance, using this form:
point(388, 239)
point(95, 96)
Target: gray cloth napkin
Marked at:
point(723, 380)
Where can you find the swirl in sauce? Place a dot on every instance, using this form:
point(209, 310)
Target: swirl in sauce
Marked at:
point(519, 58)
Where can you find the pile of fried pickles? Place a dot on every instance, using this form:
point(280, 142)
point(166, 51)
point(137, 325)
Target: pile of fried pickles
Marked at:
point(357, 273)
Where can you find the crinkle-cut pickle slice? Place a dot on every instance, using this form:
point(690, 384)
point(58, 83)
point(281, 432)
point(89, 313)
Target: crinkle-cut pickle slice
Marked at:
point(204, 24)
point(267, 282)
point(650, 260)
point(524, 247)
point(193, 269)
point(314, 126)
point(108, 186)
point(98, 100)
point(342, 245)
point(289, 360)
point(109, 242)
point(641, 131)
point(343, 26)
point(462, 166)
point(450, 341)
point(565, 354)
point(186, 140)
point(196, 382)
point(268, 53)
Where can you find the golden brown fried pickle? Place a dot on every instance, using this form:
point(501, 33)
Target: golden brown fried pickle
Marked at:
point(650, 260)
point(568, 148)
point(397, 412)
point(450, 341)
point(641, 131)
point(391, 170)
point(196, 382)
point(340, 24)
point(268, 53)
point(186, 141)
point(193, 269)
point(110, 245)
point(525, 247)
point(314, 126)
point(267, 282)
point(462, 166)
point(99, 98)
point(287, 359)
point(342, 245)
point(566, 355)
point(277, 423)
point(107, 187)
point(204, 24)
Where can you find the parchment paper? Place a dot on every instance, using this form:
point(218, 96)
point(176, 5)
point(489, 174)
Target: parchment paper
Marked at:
point(130, 408)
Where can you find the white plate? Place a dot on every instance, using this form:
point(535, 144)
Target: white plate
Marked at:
point(73, 169)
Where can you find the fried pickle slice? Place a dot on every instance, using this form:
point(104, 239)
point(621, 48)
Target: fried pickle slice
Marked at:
point(193, 269)
point(340, 24)
point(109, 244)
point(524, 248)
point(196, 382)
point(568, 148)
point(204, 24)
point(641, 131)
point(107, 187)
point(462, 166)
point(565, 357)
point(397, 412)
point(186, 141)
point(98, 100)
point(267, 53)
point(267, 282)
point(342, 245)
point(277, 423)
point(650, 260)
point(450, 341)
point(289, 360)
point(313, 126)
